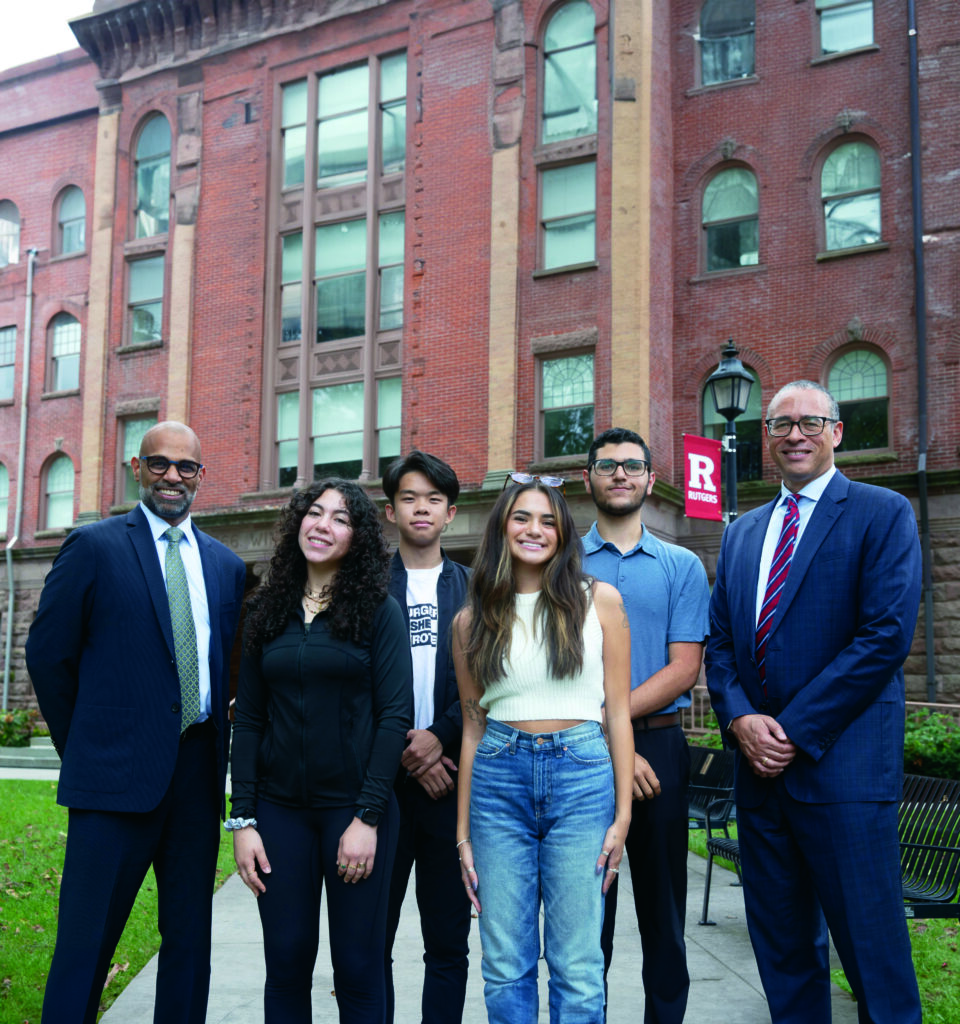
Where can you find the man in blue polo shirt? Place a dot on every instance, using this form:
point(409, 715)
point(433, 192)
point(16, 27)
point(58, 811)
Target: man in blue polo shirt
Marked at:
point(665, 593)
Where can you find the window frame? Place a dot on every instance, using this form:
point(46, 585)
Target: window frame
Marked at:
point(136, 160)
point(123, 464)
point(726, 222)
point(4, 499)
point(835, 6)
point(703, 40)
point(836, 198)
point(46, 494)
point(11, 340)
point(67, 192)
point(540, 433)
point(837, 358)
point(131, 341)
point(9, 235)
point(53, 357)
point(567, 217)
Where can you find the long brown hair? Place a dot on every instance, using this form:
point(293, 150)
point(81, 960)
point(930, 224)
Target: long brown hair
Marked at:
point(562, 604)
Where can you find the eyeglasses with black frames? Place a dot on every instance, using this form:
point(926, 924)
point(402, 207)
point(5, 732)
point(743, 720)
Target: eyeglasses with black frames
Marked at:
point(529, 478)
point(159, 464)
point(607, 467)
point(810, 426)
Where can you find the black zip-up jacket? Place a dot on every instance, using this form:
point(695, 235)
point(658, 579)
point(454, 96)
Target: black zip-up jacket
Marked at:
point(322, 722)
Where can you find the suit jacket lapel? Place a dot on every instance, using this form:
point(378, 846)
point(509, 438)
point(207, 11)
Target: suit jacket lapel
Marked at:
point(146, 550)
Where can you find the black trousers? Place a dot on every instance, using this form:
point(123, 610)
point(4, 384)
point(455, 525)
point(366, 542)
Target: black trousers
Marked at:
point(301, 845)
point(657, 848)
point(108, 854)
point(428, 839)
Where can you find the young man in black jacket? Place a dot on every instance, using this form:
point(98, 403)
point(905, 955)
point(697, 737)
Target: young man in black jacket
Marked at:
point(421, 493)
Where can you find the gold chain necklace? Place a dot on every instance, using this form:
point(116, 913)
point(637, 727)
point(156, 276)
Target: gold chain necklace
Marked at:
point(316, 601)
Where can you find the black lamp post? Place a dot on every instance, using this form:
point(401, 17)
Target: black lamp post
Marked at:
point(729, 386)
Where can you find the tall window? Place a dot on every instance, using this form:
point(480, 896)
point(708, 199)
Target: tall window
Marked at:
point(153, 178)
point(145, 302)
point(9, 233)
point(749, 431)
point(568, 207)
point(858, 381)
point(845, 24)
point(730, 219)
point(293, 131)
point(566, 405)
point(64, 340)
point(133, 430)
point(343, 321)
point(726, 40)
point(4, 496)
point(8, 356)
point(569, 74)
point(58, 493)
point(71, 221)
point(850, 187)
point(341, 278)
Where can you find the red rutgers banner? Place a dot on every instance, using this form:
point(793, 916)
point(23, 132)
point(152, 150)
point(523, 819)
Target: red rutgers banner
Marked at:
point(701, 477)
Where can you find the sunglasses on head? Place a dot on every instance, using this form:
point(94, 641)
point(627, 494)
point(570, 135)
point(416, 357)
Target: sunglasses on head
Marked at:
point(529, 478)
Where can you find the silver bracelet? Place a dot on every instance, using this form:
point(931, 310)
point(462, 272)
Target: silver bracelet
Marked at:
point(462, 841)
point(235, 824)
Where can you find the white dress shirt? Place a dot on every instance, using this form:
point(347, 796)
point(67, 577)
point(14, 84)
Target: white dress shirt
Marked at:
point(190, 556)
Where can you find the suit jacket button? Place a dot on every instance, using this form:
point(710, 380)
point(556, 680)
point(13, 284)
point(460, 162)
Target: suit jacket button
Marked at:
point(175, 708)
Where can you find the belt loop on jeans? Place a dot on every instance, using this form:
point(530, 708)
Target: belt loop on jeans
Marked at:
point(649, 722)
point(512, 742)
point(557, 746)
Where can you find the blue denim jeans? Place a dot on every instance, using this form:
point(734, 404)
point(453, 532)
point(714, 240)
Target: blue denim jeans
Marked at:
point(539, 808)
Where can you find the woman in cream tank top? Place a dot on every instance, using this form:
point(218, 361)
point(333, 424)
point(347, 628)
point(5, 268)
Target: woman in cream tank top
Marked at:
point(546, 767)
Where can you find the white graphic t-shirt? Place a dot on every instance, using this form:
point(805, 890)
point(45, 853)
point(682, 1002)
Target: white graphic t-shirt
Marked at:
point(422, 612)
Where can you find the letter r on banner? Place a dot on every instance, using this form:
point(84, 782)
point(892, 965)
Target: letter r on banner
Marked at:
point(701, 484)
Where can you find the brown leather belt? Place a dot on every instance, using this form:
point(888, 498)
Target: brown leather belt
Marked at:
point(656, 722)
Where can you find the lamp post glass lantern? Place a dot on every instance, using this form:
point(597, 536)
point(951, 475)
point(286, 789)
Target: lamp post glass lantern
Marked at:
point(729, 386)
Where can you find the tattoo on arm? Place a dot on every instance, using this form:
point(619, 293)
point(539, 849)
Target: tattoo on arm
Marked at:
point(475, 712)
point(623, 612)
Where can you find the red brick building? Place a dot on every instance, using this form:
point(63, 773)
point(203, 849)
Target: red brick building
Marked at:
point(325, 233)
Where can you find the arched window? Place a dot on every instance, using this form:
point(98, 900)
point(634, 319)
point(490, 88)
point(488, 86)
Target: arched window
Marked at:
point(749, 431)
point(730, 219)
point(858, 381)
point(71, 221)
point(58, 494)
point(850, 188)
point(64, 340)
point(4, 496)
point(9, 233)
point(569, 74)
point(726, 40)
point(153, 178)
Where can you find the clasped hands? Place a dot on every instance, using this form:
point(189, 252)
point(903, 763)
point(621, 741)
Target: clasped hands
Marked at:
point(764, 744)
point(424, 759)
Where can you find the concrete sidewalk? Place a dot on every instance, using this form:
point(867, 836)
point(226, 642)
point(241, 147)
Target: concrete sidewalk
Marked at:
point(725, 986)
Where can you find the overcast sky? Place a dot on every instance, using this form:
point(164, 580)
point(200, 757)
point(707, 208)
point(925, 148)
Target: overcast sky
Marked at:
point(38, 28)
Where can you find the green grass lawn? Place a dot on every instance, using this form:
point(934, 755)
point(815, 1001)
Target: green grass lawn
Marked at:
point(936, 955)
point(32, 841)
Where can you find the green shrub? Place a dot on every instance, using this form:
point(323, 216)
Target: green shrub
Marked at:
point(16, 726)
point(932, 745)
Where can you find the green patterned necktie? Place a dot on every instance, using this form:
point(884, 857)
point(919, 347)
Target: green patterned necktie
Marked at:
point(184, 631)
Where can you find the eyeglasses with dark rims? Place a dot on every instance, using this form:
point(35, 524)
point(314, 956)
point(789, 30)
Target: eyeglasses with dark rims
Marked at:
point(809, 426)
point(607, 467)
point(159, 464)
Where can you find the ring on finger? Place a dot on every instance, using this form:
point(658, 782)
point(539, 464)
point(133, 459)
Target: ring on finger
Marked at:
point(605, 853)
point(764, 761)
point(616, 871)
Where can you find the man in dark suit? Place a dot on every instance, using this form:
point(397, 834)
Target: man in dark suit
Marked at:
point(422, 494)
point(812, 616)
point(130, 656)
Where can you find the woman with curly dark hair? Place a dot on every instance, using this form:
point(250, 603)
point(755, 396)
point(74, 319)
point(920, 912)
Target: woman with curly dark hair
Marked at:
point(323, 707)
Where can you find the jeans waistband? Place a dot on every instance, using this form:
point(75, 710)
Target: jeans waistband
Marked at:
point(545, 740)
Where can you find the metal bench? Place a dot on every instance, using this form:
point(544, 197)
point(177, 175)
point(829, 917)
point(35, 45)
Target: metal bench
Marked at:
point(711, 779)
point(718, 814)
point(929, 827)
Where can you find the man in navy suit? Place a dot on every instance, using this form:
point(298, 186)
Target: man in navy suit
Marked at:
point(142, 777)
point(804, 666)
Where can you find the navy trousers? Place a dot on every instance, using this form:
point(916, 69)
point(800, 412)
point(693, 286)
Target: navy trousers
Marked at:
point(106, 861)
point(428, 837)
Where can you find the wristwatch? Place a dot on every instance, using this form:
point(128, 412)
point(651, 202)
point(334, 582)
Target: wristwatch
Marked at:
point(369, 817)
